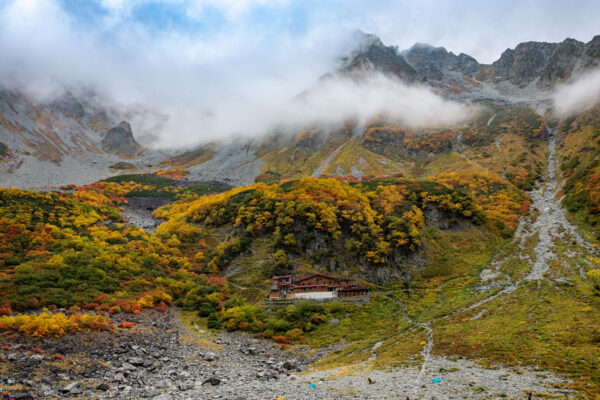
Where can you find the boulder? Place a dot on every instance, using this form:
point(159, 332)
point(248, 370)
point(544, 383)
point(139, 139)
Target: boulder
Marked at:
point(214, 381)
point(22, 396)
point(70, 387)
point(289, 365)
point(137, 361)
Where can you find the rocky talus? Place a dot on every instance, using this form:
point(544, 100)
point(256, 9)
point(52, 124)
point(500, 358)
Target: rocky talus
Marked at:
point(160, 359)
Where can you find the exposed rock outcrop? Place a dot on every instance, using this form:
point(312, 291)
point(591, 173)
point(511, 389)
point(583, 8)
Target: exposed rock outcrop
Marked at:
point(372, 55)
point(435, 62)
point(119, 140)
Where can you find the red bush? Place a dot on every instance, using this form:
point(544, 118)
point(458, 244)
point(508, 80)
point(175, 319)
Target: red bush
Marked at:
point(126, 324)
point(161, 307)
point(90, 306)
point(280, 339)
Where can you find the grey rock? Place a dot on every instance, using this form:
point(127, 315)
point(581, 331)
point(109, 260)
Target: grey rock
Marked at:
point(22, 396)
point(163, 383)
point(289, 365)
point(103, 387)
point(214, 381)
point(70, 387)
point(136, 361)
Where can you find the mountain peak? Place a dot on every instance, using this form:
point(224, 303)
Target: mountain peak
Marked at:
point(119, 140)
point(363, 39)
point(370, 54)
point(420, 46)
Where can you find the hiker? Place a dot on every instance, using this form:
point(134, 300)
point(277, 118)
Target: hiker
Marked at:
point(370, 380)
point(529, 395)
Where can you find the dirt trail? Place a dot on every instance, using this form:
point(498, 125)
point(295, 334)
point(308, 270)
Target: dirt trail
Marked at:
point(426, 352)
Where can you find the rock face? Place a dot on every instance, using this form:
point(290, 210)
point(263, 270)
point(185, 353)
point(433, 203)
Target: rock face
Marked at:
point(435, 62)
point(372, 55)
point(540, 63)
point(47, 143)
point(552, 63)
point(523, 64)
point(119, 140)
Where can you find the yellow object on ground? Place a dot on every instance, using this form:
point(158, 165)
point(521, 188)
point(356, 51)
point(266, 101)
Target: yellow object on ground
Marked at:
point(423, 343)
point(280, 398)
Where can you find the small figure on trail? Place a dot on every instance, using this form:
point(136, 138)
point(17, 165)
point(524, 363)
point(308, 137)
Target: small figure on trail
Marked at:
point(371, 381)
point(529, 394)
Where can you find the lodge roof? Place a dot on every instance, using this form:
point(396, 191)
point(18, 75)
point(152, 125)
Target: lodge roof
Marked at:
point(311, 286)
point(313, 275)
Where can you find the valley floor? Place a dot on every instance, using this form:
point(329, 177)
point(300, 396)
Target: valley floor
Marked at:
point(161, 359)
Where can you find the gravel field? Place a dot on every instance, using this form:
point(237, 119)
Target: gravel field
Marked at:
point(163, 360)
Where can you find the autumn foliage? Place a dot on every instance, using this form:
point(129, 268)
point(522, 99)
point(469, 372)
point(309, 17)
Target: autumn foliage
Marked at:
point(74, 249)
point(55, 325)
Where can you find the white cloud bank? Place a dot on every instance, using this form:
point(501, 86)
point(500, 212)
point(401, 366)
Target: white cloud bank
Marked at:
point(191, 87)
point(578, 96)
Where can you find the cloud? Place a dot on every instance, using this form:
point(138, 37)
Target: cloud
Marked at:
point(191, 71)
point(180, 88)
point(340, 98)
point(578, 96)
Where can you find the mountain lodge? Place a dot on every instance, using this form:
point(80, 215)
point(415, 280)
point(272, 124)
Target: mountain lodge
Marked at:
point(315, 287)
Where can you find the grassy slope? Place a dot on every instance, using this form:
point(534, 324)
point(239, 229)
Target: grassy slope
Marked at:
point(190, 158)
point(369, 163)
point(578, 149)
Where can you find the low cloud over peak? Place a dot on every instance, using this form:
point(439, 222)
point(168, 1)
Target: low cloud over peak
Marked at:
point(199, 70)
point(579, 95)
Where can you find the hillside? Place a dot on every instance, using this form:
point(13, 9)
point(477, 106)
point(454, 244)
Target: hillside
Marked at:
point(516, 86)
point(146, 272)
point(68, 139)
point(440, 248)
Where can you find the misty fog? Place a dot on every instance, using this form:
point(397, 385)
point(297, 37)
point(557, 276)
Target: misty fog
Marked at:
point(579, 95)
point(180, 87)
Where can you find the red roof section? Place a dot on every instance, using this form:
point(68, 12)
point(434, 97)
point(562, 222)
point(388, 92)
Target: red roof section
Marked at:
point(312, 276)
point(310, 286)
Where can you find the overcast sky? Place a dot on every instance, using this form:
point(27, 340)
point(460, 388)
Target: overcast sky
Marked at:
point(198, 61)
point(482, 29)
